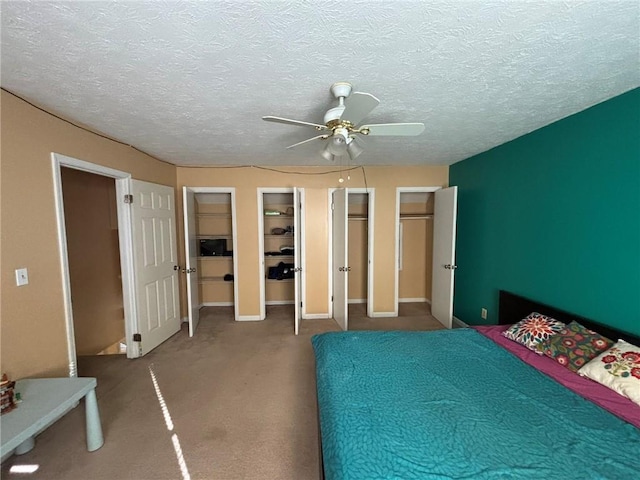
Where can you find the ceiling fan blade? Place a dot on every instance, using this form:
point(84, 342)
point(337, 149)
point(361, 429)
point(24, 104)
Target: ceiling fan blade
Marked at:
point(308, 140)
point(357, 106)
point(396, 129)
point(288, 121)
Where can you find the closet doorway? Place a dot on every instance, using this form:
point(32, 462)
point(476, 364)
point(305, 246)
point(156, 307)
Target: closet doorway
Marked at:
point(91, 227)
point(281, 236)
point(210, 242)
point(360, 204)
point(425, 248)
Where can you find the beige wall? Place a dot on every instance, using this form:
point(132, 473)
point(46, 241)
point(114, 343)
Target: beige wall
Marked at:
point(246, 180)
point(31, 317)
point(94, 260)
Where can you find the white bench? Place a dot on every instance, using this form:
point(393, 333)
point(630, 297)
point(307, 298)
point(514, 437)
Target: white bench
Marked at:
point(44, 401)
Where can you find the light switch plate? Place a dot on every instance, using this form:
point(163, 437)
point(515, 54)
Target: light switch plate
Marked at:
point(22, 277)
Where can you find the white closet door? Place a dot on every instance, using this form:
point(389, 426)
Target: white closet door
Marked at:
point(191, 255)
point(340, 228)
point(155, 263)
point(444, 245)
point(297, 255)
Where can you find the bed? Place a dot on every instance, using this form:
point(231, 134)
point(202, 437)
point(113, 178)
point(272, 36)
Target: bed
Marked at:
point(454, 404)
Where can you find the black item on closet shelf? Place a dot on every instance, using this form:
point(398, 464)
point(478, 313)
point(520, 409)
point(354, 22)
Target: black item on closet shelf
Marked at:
point(281, 271)
point(228, 278)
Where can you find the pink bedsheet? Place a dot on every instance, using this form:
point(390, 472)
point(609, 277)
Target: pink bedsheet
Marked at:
point(585, 387)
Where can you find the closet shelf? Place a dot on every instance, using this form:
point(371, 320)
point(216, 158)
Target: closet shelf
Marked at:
point(215, 257)
point(213, 279)
point(270, 235)
point(213, 215)
point(284, 280)
point(415, 216)
point(212, 236)
point(278, 216)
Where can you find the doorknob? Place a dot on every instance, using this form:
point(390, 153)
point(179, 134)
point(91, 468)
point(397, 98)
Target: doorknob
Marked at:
point(192, 270)
point(450, 267)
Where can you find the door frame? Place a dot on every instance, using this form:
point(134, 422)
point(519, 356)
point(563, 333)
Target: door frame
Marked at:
point(371, 193)
point(234, 234)
point(400, 190)
point(125, 241)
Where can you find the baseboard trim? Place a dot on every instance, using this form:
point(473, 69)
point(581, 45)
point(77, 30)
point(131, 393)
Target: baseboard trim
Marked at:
point(185, 320)
point(414, 300)
point(357, 300)
point(383, 314)
point(216, 304)
point(457, 323)
point(279, 302)
point(315, 316)
point(249, 318)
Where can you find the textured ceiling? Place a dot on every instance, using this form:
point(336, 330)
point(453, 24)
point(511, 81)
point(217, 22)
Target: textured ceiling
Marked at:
point(188, 82)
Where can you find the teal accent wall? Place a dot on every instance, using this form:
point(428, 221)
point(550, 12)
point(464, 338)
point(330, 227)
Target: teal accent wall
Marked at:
point(555, 216)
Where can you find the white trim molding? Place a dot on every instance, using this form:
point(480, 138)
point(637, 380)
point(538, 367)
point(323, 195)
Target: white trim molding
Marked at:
point(316, 316)
point(457, 323)
point(249, 318)
point(383, 314)
point(125, 238)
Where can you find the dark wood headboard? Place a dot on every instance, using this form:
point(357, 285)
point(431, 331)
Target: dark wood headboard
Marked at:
point(513, 308)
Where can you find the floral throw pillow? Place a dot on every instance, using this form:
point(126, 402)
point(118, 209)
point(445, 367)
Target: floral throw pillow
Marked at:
point(533, 329)
point(574, 345)
point(617, 368)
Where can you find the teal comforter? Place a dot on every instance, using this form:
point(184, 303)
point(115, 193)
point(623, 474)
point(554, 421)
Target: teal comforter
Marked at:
point(452, 404)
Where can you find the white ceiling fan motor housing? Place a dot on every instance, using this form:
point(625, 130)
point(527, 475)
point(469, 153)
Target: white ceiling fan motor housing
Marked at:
point(341, 89)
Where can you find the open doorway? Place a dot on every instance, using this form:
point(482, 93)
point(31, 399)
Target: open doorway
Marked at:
point(415, 251)
point(360, 214)
point(91, 227)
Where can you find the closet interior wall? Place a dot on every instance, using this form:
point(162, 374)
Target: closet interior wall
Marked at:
point(416, 247)
point(358, 208)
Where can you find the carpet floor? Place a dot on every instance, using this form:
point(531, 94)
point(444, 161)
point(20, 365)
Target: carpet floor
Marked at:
point(239, 403)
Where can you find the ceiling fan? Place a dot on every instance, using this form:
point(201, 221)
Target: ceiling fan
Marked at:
point(340, 124)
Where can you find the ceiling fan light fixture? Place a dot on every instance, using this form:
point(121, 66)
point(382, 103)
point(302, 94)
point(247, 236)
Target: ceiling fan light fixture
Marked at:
point(338, 142)
point(354, 149)
point(327, 155)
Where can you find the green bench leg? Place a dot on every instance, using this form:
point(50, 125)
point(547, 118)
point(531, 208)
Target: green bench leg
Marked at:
point(94, 428)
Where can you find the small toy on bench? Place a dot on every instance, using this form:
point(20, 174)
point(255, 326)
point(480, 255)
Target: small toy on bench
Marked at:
point(7, 399)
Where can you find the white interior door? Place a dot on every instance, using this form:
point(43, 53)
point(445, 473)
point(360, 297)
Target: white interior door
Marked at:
point(340, 259)
point(153, 220)
point(191, 255)
point(297, 255)
point(444, 245)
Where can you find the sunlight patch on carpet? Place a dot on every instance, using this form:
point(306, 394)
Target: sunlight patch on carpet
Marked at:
point(167, 419)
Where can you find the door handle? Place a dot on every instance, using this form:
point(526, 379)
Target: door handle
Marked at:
point(192, 270)
point(176, 267)
point(450, 267)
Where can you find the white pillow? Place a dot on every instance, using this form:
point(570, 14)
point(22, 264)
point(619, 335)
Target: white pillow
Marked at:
point(617, 368)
